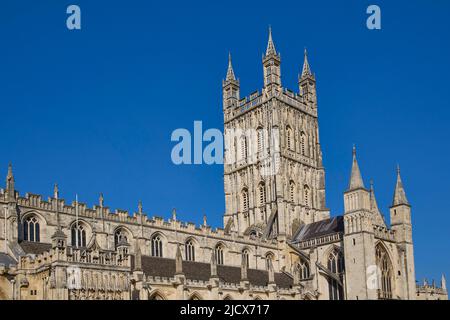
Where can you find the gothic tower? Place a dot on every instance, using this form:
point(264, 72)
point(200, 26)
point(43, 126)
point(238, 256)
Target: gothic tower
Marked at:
point(273, 174)
point(359, 239)
point(400, 213)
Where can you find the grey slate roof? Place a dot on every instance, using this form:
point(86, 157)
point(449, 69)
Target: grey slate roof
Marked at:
point(6, 260)
point(164, 267)
point(35, 247)
point(319, 228)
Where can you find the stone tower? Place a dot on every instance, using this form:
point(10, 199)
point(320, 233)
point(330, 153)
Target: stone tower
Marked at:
point(273, 174)
point(359, 240)
point(400, 213)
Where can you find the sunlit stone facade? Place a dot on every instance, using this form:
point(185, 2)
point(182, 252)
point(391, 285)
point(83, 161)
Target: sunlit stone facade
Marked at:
point(278, 241)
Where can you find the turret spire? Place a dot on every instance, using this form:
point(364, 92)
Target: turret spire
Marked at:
point(10, 172)
point(56, 196)
point(10, 190)
point(140, 207)
point(379, 218)
point(230, 72)
point(101, 200)
point(356, 181)
point(270, 45)
point(399, 193)
point(306, 71)
point(271, 66)
point(55, 191)
point(443, 282)
point(373, 200)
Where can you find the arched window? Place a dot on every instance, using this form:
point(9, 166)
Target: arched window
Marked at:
point(195, 296)
point(303, 143)
point(289, 138)
point(335, 265)
point(303, 270)
point(260, 140)
point(246, 257)
point(262, 194)
point(190, 250)
point(78, 232)
point(120, 235)
point(157, 248)
point(156, 296)
point(306, 195)
point(269, 260)
point(31, 229)
point(244, 200)
point(292, 191)
point(219, 254)
point(243, 147)
point(385, 273)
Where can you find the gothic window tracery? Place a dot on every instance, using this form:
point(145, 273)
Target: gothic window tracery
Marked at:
point(157, 246)
point(219, 254)
point(120, 235)
point(78, 233)
point(303, 270)
point(385, 272)
point(335, 265)
point(190, 250)
point(31, 229)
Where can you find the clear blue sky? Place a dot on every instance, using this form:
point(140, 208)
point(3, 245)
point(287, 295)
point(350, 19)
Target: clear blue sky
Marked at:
point(94, 109)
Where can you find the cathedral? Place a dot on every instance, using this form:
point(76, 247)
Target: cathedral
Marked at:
point(278, 241)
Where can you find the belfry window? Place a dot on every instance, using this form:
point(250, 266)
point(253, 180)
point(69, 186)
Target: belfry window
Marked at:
point(289, 138)
point(262, 194)
point(243, 147)
point(260, 139)
point(292, 191)
point(157, 248)
point(190, 250)
point(306, 195)
point(78, 232)
point(31, 229)
point(244, 200)
point(303, 143)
